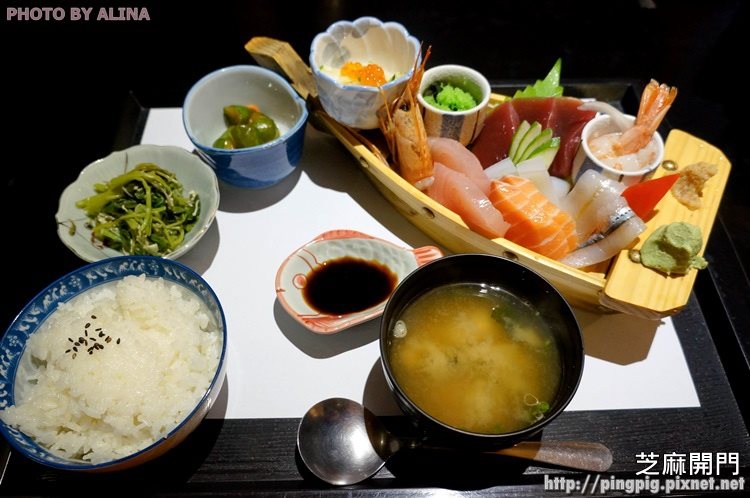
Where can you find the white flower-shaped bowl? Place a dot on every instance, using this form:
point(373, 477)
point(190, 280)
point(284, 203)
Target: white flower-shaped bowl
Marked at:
point(292, 275)
point(193, 173)
point(366, 40)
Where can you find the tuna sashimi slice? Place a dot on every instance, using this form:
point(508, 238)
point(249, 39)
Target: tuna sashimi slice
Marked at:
point(559, 113)
point(535, 222)
point(568, 122)
point(494, 140)
point(456, 156)
point(458, 193)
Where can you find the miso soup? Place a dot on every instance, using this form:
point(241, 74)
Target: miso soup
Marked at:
point(476, 358)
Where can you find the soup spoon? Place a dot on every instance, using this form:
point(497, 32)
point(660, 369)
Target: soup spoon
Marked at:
point(343, 443)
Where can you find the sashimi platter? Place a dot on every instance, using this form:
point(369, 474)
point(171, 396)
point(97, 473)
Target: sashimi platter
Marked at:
point(617, 221)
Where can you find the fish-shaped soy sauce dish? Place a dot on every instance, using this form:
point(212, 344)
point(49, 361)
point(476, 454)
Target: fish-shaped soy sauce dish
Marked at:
point(342, 278)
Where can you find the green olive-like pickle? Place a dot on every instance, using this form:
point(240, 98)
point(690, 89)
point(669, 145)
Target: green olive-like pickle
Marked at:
point(247, 127)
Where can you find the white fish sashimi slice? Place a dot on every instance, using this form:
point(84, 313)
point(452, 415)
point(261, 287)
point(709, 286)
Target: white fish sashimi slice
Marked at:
point(591, 202)
point(543, 182)
point(585, 188)
point(609, 246)
point(500, 169)
point(561, 187)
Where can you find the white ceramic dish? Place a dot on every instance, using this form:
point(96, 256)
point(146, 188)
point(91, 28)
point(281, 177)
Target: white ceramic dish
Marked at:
point(292, 275)
point(193, 173)
point(365, 40)
point(586, 159)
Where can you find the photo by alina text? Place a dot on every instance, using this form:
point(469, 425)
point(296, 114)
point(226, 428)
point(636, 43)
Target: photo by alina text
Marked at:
point(23, 14)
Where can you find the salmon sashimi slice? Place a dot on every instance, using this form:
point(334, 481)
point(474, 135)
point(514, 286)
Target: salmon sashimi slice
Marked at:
point(458, 193)
point(535, 222)
point(456, 156)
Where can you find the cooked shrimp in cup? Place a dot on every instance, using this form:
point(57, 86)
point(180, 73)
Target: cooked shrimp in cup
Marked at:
point(624, 147)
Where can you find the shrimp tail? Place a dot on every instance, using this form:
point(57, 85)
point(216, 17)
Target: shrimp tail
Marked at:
point(655, 102)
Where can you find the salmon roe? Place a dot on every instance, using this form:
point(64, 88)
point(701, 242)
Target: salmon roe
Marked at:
point(369, 75)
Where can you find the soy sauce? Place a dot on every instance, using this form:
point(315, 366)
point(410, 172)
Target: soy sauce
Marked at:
point(347, 285)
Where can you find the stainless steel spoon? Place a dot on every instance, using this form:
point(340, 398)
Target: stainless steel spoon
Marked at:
point(342, 443)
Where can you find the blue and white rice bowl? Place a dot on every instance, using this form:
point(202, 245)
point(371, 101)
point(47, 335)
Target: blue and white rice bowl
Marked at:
point(77, 283)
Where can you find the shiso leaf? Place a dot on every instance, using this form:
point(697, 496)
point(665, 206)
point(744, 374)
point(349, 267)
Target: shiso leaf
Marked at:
point(548, 87)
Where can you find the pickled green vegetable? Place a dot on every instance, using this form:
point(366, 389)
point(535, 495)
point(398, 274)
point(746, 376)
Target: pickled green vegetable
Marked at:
point(141, 212)
point(248, 127)
point(237, 114)
point(244, 135)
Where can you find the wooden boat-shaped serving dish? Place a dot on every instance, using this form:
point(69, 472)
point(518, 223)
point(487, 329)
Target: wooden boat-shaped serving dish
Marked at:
point(620, 286)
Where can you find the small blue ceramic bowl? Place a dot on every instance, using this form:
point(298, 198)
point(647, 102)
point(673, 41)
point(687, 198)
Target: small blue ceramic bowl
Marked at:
point(252, 167)
point(66, 288)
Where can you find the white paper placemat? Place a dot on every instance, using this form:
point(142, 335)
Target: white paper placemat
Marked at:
point(277, 368)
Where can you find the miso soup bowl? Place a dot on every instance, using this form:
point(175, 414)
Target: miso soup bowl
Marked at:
point(506, 275)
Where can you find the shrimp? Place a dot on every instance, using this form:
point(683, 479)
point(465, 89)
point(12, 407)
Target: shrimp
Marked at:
point(403, 128)
point(655, 102)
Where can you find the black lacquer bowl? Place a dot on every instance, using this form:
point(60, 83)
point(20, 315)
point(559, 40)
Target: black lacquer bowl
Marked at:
point(507, 275)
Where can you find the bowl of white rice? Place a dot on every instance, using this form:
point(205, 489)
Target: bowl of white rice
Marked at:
point(112, 365)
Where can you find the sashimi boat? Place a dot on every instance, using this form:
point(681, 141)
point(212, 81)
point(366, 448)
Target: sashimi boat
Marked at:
point(618, 284)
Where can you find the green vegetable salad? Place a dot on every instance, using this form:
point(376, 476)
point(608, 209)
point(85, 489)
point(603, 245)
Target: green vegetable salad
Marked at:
point(141, 212)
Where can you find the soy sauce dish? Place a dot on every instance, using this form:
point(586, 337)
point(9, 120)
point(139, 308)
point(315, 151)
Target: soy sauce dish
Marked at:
point(342, 278)
point(480, 351)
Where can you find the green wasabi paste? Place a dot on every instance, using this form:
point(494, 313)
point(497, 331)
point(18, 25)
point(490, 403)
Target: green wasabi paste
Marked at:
point(673, 249)
point(448, 97)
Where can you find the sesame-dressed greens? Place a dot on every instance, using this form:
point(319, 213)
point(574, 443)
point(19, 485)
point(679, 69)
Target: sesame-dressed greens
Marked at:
point(141, 212)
